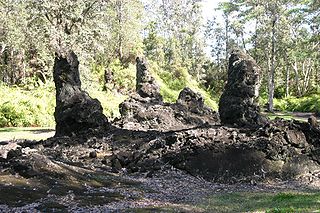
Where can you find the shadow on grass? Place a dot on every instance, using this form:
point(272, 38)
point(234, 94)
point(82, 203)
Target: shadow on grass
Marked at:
point(84, 189)
point(268, 202)
point(40, 131)
point(10, 129)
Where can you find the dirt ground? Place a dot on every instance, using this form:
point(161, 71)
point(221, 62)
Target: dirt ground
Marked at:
point(169, 191)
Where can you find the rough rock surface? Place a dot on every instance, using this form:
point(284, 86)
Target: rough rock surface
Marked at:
point(186, 135)
point(150, 140)
point(146, 85)
point(145, 110)
point(144, 114)
point(75, 110)
point(154, 139)
point(279, 150)
point(238, 104)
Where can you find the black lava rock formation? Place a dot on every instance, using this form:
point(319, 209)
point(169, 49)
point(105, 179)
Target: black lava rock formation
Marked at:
point(75, 110)
point(154, 136)
point(146, 86)
point(238, 104)
point(145, 110)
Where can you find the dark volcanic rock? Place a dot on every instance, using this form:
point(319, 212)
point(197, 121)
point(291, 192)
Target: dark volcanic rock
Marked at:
point(145, 110)
point(145, 114)
point(225, 154)
point(187, 135)
point(193, 102)
point(238, 104)
point(146, 85)
point(75, 110)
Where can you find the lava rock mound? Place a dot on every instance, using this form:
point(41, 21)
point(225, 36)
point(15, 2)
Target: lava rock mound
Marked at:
point(144, 110)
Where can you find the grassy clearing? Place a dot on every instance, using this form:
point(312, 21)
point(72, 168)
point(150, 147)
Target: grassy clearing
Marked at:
point(30, 133)
point(263, 202)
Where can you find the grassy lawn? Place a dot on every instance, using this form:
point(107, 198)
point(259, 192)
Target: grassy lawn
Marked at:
point(31, 133)
point(263, 202)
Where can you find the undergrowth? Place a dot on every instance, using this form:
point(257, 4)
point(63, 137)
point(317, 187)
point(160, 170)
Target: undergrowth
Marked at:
point(22, 107)
point(296, 104)
point(172, 82)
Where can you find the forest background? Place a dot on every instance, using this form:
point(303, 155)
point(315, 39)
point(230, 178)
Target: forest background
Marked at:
point(184, 47)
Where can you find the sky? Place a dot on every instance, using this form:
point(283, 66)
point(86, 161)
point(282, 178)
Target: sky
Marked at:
point(209, 6)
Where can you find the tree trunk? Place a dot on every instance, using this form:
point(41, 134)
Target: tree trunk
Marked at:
point(119, 5)
point(272, 70)
point(295, 69)
point(287, 75)
point(227, 38)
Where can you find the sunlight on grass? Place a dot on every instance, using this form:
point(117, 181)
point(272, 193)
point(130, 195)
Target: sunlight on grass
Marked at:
point(30, 133)
point(263, 202)
point(284, 115)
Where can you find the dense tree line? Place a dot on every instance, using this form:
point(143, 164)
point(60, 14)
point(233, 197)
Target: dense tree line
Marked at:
point(282, 35)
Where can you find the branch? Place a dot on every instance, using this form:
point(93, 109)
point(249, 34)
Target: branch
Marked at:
point(84, 14)
point(48, 18)
point(3, 47)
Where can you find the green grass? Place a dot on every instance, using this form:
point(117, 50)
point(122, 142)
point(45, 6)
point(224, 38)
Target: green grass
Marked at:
point(284, 115)
point(263, 202)
point(30, 133)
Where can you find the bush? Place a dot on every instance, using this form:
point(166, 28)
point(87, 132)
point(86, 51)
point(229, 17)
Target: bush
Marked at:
point(19, 107)
point(124, 79)
point(303, 104)
point(280, 92)
point(110, 101)
point(35, 106)
point(175, 81)
point(10, 115)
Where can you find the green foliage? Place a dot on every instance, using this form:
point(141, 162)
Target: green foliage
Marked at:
point(171, 83)
point(304, 104)
point(110, 101)
point(280, 92)
point(20, 107)
point(176, 79)
point(123, 77)
point(281, 104)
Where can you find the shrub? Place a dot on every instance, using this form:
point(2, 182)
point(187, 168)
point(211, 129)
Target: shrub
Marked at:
point(110, 101)
point(124, 79)
point(19, 107)
point(302, 104)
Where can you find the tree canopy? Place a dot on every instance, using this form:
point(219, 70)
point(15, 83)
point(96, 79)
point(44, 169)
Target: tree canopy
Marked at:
point(281, 35)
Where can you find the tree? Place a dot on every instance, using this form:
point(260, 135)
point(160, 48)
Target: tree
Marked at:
point(178, 25)
point(282, 37)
